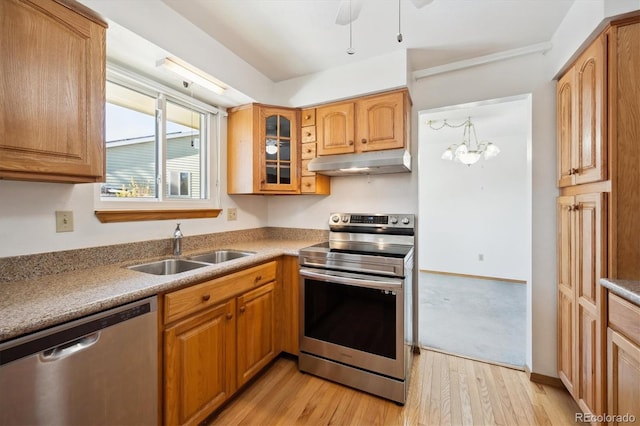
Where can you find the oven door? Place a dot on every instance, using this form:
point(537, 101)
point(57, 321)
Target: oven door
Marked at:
point(353, 319)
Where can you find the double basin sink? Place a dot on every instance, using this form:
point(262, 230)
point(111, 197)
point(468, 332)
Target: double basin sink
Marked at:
point(175, 266)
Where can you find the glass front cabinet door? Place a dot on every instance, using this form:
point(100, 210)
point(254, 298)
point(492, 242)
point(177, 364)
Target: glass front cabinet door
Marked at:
point(278, 144)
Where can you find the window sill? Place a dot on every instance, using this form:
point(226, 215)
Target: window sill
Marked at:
point(109, 216)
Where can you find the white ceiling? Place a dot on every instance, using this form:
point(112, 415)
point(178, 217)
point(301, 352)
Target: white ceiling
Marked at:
point(289, 38)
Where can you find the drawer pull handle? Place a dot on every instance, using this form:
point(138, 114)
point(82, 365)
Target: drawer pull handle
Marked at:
point(242, 309)
point(258, 278)
point(206, 297)
point(308, 134)
point(307, 117)
point(229, 316)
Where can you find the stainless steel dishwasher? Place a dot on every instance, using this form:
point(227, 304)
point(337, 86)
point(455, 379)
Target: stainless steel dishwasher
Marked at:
point(98, 370)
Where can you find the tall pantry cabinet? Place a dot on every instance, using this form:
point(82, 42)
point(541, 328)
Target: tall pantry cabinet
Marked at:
point(598, 219)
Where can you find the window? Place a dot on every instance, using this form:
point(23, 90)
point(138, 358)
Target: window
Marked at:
point(179, 184)
point(161, 147)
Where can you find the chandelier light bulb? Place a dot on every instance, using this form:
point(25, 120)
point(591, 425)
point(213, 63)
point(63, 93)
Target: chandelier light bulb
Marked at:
point(461, 150)
point(448, 154)
point(469, 158)
point(491, 151)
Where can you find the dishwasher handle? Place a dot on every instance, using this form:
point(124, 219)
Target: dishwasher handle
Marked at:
point(69, 348)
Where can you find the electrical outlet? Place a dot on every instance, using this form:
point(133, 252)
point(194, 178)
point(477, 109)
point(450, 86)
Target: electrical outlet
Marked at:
point(481, 257)
point(232, 213)
point(64, 221)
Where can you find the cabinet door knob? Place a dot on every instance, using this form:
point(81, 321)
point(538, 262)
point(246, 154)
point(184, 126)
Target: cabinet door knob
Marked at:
point(242, 309)
point(363, 140)
point(350, 142)
point(229, 316)
point(206, 297)
point(573, 171)
point(307, 133)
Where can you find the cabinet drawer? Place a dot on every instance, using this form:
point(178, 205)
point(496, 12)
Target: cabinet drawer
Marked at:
point(308, 117)
point(309, 134)
point(308, 151)
point(624, 317)
point(199, 296)
point(308, 184)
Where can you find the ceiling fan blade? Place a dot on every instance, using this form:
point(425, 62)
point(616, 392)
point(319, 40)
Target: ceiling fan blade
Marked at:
point(344, 17)
point(421, 3)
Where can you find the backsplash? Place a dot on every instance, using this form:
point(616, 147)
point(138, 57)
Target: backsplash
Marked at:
point(32, 266)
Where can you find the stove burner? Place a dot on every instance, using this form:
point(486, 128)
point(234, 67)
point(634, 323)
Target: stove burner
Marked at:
point(365, 249)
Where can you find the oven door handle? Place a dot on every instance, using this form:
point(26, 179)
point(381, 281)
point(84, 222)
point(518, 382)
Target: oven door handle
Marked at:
point(357, 282)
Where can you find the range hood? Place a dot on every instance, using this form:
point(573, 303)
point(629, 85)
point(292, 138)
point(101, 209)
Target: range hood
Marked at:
point(365, 163)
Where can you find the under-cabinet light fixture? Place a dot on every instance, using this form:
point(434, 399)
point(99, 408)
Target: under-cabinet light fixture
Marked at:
point(192, 74)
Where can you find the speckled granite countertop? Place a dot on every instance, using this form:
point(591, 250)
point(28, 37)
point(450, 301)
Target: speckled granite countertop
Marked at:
point(33, 304)
point(627, 289)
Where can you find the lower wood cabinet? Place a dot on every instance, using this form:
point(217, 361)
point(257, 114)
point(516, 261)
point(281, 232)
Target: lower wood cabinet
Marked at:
point(199, 361)
point(217, 335)
point(289, 312)
point(256, 344)
point(581, 299)
point(623, 361)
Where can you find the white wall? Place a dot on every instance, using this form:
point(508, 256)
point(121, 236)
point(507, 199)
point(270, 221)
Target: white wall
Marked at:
point(27, 217)
point(497, 80)
point(155, 21)
point(578, 26)
point(393, 193)
point(383, 72)
point(479, 210)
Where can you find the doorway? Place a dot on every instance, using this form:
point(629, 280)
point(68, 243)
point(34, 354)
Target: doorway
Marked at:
point(475, 232)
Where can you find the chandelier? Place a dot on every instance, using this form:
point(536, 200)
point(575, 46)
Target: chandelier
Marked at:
point(469, 150)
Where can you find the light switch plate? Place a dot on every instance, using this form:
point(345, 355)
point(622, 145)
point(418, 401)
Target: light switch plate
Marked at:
point(232, 213)
point(64, 221)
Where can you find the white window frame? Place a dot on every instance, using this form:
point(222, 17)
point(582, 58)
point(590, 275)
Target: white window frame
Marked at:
point(210, 178)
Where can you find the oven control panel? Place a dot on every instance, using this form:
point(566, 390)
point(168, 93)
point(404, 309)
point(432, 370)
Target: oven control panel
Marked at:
point(371, 220)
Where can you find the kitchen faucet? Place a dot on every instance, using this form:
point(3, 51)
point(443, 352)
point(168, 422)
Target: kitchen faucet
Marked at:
point(177, 241)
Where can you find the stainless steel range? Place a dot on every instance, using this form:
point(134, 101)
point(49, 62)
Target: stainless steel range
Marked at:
point(356, 303)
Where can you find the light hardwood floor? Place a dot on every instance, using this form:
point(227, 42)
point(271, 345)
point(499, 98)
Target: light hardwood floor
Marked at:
point(445, 390)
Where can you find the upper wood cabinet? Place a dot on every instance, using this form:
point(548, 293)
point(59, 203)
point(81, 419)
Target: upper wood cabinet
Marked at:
point(311, 182)
point(263, 150)
point(581, 110)
point(336, 128)
point(370, 123)
point(52, 94)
